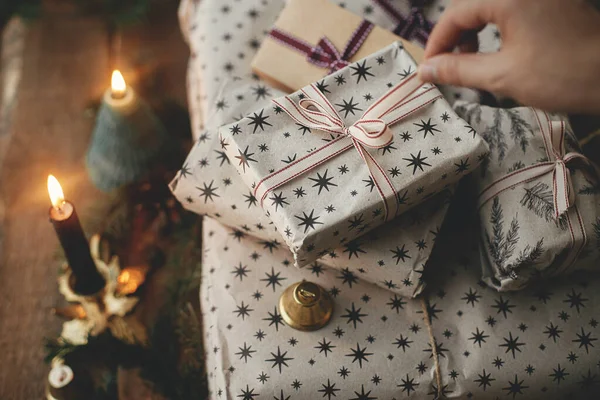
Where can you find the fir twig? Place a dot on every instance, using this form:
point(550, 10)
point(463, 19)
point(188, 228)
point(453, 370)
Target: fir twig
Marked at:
point(590, 188)
point(495, 244)
point(516, 166)
point(539, 199)
point(529, 256)
point(494, 136)
point(518, 129)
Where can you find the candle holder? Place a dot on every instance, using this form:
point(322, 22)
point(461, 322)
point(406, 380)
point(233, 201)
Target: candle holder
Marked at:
point(126, 140)
point(107, 309)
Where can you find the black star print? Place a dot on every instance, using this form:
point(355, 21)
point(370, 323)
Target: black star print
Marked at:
point(403, 342)
point(462, 166)
point(394, 172)
point(303, 129)
point(421, 368)
point(235, 129)
point(427, 127)
point(421, 244)
point(260, 335)
point(353, 248)
point(408, 385)
point(343, 169)
point(515, 387)
point(558, 374)
point(406, 72)
point(245, 352)
point(344, 372)
point(273, 279)
point(184, 171)
point(259, 121)
point(299, 192)
point(325, 347)
point(279, 359)
point(498, 363)
point(471, 297)
point(208, 191)
point(355, 222)
point(362, 395)
point(329, 390)
point(380, 60)
point(361, 71)
point(296, 384)
point(439, 349)
point(308, 221)
point(261, 92)
point(348, 107)
point(278, 200)
point(400, 254)
point(478, 337)
point(250, 199)
point(396, 303)
point(388, 148)
point(353, 315)
point(503, 306)
point(245, 158)
point(247, 394)
point(416, 162)
point(512, 344)
point(243, 310)
point(323, 182)
point(281, 396)
point(484, 380)
point(445, 117)
point(262, 378)
point(359, 354)
point(585, 339)
point(553, 332)
point(575, 300)
point(340, 80)
point(368, 97)
point(274, 318)
point(588, 381)
point(240, 271)
point(322, 87)
point(405, 136)
point(330, 208)
point(436, 151)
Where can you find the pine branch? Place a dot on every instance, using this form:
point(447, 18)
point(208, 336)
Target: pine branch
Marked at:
point(539, 199)
point(518, 129)
point(496, 244)
point(590, 188)
point(529, 256)
point(512, 237)
point(516, 166)
point(494, 136)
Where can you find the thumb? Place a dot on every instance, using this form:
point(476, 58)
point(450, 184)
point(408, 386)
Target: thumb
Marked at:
point(479, 71)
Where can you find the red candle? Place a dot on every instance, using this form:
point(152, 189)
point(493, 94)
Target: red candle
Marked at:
point(87, 279)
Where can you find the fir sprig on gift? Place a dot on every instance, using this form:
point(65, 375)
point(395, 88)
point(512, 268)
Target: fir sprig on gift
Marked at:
point(518, 129)
point(494, 136)
point(515, 167)
point(502, 247)
point(590, 188)
point(540, 200)
point(529, 256)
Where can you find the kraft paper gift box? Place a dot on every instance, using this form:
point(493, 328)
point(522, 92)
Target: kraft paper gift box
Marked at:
point(327, 177)
point(314, 37)
point(518, 345)
point(539, 198)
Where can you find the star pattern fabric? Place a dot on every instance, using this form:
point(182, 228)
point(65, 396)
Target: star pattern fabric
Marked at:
point(430, 151)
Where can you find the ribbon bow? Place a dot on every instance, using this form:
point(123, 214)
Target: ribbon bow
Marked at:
point(553, 134)
point(325, 54)
point(372, 130)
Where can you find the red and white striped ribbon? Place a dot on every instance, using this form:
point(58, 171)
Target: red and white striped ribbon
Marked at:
point(372, 130)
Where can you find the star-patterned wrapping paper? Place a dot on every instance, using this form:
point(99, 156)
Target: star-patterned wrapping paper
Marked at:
point(392, 256)
point(521, 240)
point(335, 202)
point(539, 344)
point(374, 347)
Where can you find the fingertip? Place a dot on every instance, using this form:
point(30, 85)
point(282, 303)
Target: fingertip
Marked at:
point(427, 72)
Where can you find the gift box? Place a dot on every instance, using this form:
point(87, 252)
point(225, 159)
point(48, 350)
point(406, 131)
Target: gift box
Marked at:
point(539, 198)
point(350, 152)
point(392, 256)
point(462, 340)
point(314, 37)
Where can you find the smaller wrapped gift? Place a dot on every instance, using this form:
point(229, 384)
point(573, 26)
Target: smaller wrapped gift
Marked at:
point(350, 152)
point(312, 38)
point(539, 197)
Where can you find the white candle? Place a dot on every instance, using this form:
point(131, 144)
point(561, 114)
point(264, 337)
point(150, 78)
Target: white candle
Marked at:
point(119, 96)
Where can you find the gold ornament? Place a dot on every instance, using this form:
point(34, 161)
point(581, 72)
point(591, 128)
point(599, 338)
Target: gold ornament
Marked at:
point(305, 306)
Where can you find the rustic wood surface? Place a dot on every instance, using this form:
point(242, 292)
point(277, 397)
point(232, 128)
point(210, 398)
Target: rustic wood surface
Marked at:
point(66, 67)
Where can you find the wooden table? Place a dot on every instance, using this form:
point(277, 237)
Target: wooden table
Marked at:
point(66, 67)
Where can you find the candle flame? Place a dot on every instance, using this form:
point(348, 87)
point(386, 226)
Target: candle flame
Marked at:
point(57, 197)
point(117, 83)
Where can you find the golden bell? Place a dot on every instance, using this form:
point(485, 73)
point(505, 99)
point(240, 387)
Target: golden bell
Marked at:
point(305, 306)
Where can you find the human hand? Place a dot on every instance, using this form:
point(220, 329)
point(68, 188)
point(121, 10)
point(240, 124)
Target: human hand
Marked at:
point(550, 56)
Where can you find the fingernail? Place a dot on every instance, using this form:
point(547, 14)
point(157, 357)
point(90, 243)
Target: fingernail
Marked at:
point(427, 72)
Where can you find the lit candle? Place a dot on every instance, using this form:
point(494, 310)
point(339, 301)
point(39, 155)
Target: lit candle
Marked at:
point(87, 279)
point(120, 97)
